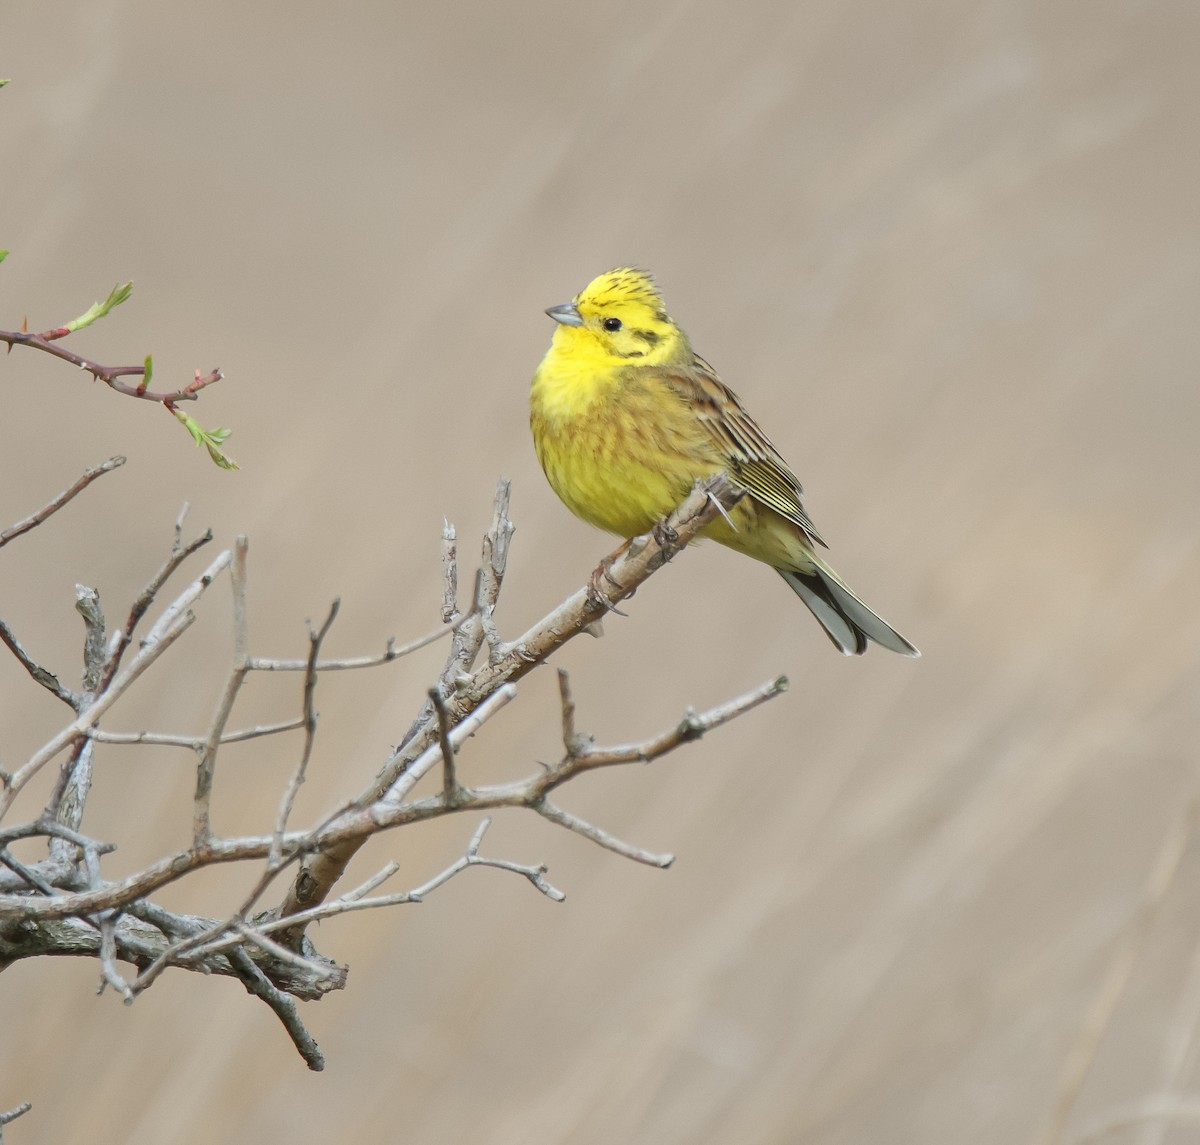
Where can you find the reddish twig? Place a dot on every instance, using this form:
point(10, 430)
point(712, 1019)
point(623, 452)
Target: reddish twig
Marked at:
point(110, 375)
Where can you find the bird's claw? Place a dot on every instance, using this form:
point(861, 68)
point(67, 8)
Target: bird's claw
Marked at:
point(663, 534)
point(603, 572)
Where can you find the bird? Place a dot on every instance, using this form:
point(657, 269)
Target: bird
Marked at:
point(626, 417)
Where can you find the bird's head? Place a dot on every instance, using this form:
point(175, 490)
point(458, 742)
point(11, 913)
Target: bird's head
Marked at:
point(619, 318)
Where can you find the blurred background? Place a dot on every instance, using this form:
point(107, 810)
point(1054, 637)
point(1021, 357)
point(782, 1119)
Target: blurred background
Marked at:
point(948, 254)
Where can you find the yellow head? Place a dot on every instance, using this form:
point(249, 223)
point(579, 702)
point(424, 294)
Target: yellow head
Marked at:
point(619, 319)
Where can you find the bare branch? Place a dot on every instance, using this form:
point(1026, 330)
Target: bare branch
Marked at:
point(315, 640)
point(462, 731)
point(495, 560)
point(53, 506)
point(352, 826)
point(179, 553)
point(109, 974)
point(12, 1115)
point(66, 906)
point(604, 838)
point(43, 676)
point(308, 966)
point(87, 604)
point(449, 574)
point(27, 874)
point(175, 620)
point(74, 783)
point(390, 653)
point(583, 756)
point(450, 789)
point(357, 899)
point(506, 662)
point(205, 769)
point(381, 876)
point(194, 743)
point(257, 983)
point(49, 827)
point(570, 736)
point(70, 794)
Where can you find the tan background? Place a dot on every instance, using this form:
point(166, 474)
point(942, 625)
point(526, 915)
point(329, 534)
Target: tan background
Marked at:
point(948, 254)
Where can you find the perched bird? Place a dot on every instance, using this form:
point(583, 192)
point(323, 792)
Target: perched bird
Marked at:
point(626, 417)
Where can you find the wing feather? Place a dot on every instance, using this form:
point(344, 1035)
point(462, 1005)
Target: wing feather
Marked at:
point(753, 460)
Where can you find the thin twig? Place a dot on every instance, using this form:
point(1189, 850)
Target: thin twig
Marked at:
point(570, 737)
point(175, 620)
point(496, 542)
point(349, 663)
point(171, 625)
point(48, 826)
point(450, 791)
point(53, 506)
point(380, 876)
point(315, 640)
point(179, 553)
point(109, 375)
point(586, 756)
point(506, 664)
point(194, 937)
point(257, 983)
point(43, 676)
point(353, 825)
point(603, 838)
point(463, 730)
point(194, 743)
point(206, 768)
point(273, 948)
point(109, 974)
point(27, 873)
point(357, 899)
point(463, 702)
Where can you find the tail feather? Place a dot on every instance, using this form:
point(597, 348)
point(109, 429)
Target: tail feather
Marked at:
point(847, 621)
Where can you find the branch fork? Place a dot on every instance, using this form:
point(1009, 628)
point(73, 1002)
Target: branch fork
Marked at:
point(64, 904)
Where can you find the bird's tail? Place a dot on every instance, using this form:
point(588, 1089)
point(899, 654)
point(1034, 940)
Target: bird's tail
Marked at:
point(847, 621)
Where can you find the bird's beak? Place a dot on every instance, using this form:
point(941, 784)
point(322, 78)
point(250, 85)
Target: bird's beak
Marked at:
point(568, 314)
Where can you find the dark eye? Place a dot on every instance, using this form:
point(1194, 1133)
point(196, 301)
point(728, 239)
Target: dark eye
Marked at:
point(612, 324)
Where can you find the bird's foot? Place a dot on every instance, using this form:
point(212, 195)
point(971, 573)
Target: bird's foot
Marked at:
point(663, 534)
point(603, 572)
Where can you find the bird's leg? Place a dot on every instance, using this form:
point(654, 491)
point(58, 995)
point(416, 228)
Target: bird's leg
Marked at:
point(603, 571)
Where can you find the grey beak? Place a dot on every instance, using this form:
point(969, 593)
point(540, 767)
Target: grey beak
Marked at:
point(568, 314)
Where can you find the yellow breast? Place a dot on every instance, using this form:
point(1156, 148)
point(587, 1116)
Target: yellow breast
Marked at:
point(618, 449)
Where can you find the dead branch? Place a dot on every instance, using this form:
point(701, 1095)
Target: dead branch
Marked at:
point(462, 691)
point(65, 904)
point(56, 503)
point(12, 1114)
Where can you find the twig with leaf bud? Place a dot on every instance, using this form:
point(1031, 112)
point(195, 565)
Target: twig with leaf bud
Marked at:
point(48, 342)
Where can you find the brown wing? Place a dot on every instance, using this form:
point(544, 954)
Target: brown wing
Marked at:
point(753, 461)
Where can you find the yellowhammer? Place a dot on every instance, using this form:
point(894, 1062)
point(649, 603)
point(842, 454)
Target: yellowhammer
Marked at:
point(626, 416)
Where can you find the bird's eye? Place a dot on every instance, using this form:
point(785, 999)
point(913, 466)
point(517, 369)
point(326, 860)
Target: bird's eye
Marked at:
point(612, 324)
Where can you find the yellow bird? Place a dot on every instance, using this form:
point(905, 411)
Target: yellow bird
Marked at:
point(626, 417)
